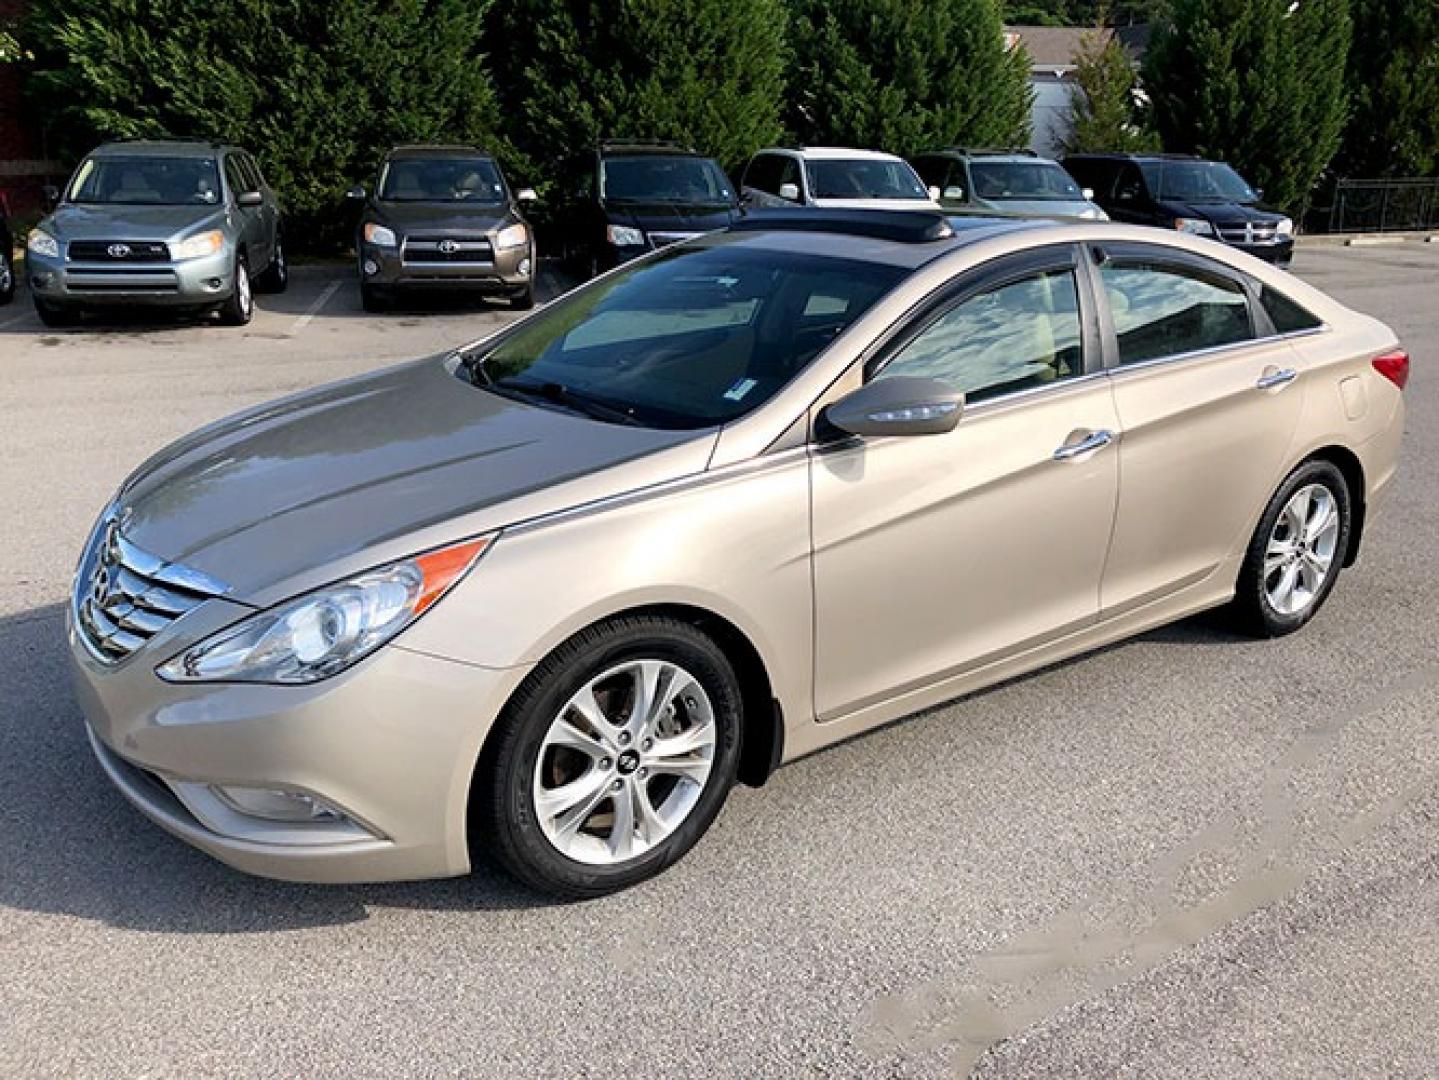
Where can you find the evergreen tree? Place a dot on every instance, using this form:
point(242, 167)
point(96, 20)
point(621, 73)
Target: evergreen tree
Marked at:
point(1394, 79)
point(1256, 83)
point(317, 91)
point(1105, 100)
point(906, 75)
point(709, 73)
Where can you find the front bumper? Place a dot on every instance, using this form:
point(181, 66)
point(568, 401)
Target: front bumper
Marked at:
point(392, 743)
point(189, 283)
point(1279, 252)
point(500, 272)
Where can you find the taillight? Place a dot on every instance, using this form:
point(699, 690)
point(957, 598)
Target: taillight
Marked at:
point(1394, 366)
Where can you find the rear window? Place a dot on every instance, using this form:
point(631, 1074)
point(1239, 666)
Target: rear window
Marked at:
point(1287, 316)
point(1164, 310)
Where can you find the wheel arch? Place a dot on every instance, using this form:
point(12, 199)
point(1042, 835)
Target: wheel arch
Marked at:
point(1348, 463)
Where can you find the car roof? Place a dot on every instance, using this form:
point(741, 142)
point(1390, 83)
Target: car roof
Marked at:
point(1133, 157)
point(640, 147)
point(436, 150)
point(1015, 153)
point(197, 148)
point(832, 153)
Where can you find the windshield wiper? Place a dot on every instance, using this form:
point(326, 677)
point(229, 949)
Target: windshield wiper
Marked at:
point(558, 394)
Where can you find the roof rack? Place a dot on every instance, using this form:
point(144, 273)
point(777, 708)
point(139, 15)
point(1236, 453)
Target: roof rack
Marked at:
point(901, 226)
point(198, 140)
point(644, 144)
point(993, 151)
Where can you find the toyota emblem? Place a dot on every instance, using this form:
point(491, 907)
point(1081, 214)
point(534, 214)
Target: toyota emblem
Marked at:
point(118, 251)
point(449, 247)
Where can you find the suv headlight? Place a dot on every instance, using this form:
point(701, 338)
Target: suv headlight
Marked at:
point(624, 236)
point(1197, 226)
point(196, 247)
point(42, 243)
point(379, 235)
point(323, 632)
point(512, 236)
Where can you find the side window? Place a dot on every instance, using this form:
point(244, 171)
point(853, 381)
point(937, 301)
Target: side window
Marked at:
point(1166, 310)
point(789, 174)
point(1129, 187)
point(763, 174)
point(932, 170)
point(1287, 316)
point(235, 177)
point(1015, 336)
point(257, 178)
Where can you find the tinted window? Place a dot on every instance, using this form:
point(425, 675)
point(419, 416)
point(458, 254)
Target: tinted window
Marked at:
point(697, 337)
point(1197, 182)
point(252, 170)
point(1092, 173)
point(932, 170)
point(863, 178)
point(142, 181)
point(1000, 180)
point(1162, 310)
point(235, 176)
point(763, 173)
point(1287, 316)
point(664, 178)
point(1129, 186)
point(473, 180)
point(1020, 335)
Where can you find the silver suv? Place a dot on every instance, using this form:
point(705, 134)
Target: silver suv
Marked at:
point(173, 224)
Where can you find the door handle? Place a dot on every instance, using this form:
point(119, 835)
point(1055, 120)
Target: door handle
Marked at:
point(1273, 379)
point(1095, 441)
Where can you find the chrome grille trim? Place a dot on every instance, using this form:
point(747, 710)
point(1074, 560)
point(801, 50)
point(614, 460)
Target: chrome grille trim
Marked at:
point(124, 596)
point(447, 250)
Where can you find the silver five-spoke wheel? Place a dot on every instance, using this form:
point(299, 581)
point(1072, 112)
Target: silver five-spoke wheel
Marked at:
point(1301, 550)
point(624, 762)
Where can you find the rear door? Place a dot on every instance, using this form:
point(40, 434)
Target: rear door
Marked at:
point(251, 219)
point(1208, 406)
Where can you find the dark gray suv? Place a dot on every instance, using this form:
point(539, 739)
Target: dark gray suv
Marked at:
point(174, 224)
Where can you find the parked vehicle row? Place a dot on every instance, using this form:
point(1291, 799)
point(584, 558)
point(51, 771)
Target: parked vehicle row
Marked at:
point(193, 225)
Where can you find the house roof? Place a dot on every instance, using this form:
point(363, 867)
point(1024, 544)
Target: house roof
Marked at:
point(1054, 46)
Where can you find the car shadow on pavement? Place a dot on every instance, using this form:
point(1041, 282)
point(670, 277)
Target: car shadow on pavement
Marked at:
point(71, 845)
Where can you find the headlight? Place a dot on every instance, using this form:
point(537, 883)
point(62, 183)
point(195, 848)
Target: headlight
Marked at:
point(1194, 225)
point(198, 246)
point(1285, 227)
point(323, 632)
point(42, 243)
point(512, 236)
point(624, 236)
point(379, 235)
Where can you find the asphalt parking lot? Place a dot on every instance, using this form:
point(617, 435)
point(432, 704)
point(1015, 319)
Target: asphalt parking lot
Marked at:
point(1190, 855)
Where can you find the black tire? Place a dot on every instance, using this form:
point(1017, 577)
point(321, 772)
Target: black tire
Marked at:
point(276, 278)
point(54, 316)
point(523, 301)
point(7, 278)
point(239, 308)
point(373, 300)
point(503, 820)
point(1252, 610)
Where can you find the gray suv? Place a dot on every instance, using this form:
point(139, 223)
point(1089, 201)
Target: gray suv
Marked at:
point(174, 224)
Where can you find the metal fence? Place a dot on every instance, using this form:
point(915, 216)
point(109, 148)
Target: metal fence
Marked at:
point(1385, 206)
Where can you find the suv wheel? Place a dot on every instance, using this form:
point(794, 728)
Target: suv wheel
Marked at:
point(7, 278)
point(372, 300)
point(612, 759)
point(54, 316)
point(276, 277)
point(240, 307)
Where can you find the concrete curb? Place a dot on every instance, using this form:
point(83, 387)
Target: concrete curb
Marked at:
point(1367, 239)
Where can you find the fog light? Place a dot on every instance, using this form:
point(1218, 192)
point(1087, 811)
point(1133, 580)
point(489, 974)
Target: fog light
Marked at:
point(275, 805)
point(371, 268)
point(42, 281)
point(213, 284)
point(524, 269)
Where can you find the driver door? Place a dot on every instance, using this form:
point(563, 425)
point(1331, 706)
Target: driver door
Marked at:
point(938, 554)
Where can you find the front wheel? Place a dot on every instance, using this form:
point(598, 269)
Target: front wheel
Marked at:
point(55, 316)
point(1296, 553)
point(240, 307)
point(612, 760)
point(7, 278)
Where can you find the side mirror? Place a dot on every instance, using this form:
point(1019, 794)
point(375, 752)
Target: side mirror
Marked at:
point(356, 193)
point(789, 191)
point(249, 198)
point(902, 405)
point(50, 196)
point(1259, 193)
point(526, 195)
point(934, 193)
point(1088, 193)
point(954, 192)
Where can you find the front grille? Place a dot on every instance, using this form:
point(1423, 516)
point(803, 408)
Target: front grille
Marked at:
point(447, 249)
point(123, 279)
point(118, 251)
point(1248, 233)
point(125, 596)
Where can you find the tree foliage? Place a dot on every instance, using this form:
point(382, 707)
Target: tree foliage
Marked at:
point(317, 91)
point(1256, 83)
point(1394, 80)
point(709, 73)
point(1083, 12)
point(906, 75)
point(1106, 106)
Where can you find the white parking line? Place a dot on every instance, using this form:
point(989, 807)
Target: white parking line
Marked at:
point(314, 309)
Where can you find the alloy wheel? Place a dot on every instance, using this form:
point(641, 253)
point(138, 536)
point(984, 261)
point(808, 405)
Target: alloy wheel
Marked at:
point(1301, 551)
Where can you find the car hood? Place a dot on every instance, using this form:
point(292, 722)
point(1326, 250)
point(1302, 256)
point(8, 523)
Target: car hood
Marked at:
point(442, 217)
point(876, 204)
point(1225, 213)
point(76, 221)
point(671, 217)
point(344, 476)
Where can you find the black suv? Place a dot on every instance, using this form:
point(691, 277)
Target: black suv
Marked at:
point(7, 263)
point(626, 198)
point(444, 218)
point(1207, 198)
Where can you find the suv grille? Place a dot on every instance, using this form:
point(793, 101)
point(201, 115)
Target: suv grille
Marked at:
point(1248, 233)
point(121, 251)
point(125, 596)
point(447, 249)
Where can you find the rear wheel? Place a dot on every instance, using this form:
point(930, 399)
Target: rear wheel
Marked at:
point(240, 307)
point(1296, 553)
point(612, 759)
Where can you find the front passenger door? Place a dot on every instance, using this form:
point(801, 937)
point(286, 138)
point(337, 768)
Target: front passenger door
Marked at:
point(934, 555)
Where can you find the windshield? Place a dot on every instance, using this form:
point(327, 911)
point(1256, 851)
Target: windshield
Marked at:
point(471, 180)
point(863, 179)
point(664, 178)
point(1197, 181)
point(1001, 180)
point(147, 181)
point(698, 336)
